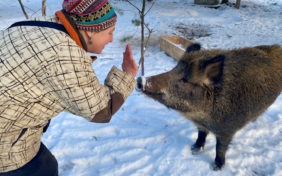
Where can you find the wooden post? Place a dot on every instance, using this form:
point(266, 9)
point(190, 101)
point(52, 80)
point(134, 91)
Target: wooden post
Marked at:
point(238, 4)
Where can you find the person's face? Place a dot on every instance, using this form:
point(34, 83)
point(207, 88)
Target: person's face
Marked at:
point(99, 40)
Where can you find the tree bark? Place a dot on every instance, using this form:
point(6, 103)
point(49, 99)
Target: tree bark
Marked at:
point(43, 7)
point(238, 2)
point(142, 16)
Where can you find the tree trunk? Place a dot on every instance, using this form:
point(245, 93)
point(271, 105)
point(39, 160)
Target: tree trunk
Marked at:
point(144, 45)
point(43, 7)
point(238, 4)
point(25, 14)
point(142, 15)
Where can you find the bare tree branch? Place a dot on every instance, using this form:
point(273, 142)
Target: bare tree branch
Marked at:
point(34, 12)
point(31, 9)
point(25, 14)
point(150, 8)
point(134, 6)
point(149, 35)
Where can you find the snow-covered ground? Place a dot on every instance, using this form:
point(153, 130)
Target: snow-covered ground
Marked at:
point(144, 138)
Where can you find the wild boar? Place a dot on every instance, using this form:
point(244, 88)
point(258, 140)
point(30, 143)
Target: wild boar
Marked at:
point(219, 90)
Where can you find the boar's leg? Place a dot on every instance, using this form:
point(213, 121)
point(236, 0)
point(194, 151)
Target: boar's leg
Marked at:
point(221, 147)
point(200, 142)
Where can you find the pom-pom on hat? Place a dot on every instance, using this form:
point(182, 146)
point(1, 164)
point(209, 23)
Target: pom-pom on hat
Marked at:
point(91, 15)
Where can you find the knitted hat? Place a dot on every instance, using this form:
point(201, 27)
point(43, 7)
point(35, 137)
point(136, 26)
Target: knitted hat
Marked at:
point(91, 15)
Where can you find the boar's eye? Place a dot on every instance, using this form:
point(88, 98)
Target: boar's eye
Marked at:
point(184, 79)
point(182, 63)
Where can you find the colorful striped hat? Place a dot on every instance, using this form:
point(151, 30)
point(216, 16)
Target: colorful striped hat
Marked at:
point(91, 15)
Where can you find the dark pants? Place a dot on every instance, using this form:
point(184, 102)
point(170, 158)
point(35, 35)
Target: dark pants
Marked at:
point(43, 164)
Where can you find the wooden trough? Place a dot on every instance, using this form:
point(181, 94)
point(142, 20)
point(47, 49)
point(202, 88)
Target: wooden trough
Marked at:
point(174, 46)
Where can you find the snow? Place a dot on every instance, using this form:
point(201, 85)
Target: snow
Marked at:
point(146, 138)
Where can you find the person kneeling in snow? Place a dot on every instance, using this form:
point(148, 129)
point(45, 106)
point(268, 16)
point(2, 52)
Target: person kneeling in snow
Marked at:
point(45, 69)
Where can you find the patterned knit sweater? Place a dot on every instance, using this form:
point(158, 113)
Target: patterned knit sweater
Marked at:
point(42, 73)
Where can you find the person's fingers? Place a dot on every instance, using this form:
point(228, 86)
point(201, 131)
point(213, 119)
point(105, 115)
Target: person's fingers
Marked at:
point(129, 64)
point(129, 51)
point(128, 47)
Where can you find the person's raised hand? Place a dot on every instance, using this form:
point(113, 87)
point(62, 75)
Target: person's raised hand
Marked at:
point(128, 64)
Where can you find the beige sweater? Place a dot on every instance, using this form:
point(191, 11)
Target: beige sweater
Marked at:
point(42, 73)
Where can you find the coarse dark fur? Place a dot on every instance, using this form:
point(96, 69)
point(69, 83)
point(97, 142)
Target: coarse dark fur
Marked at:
point(220, 90)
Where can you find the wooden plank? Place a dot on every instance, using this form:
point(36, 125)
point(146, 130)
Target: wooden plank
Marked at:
point(174, 46)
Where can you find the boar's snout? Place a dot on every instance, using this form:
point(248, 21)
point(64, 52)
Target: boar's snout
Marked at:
point(153, 84)
point(140, 83)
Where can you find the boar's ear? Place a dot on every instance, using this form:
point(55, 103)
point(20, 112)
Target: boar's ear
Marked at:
point(214, 69)
point(193, 47)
